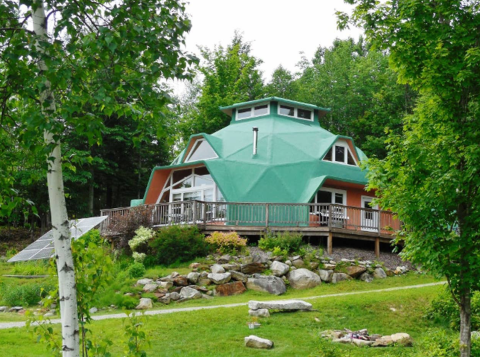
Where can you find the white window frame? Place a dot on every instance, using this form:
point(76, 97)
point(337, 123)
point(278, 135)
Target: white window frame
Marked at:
point(332, 190)
point(197, 143)
point(252, 111)
point(345, 145)
point(295, 112)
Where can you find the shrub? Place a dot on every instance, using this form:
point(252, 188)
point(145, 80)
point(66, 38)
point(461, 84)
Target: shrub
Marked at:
point(177, 243)
point(127, 224)
point(142, 236)
point(136, 270)
point(226, 242)
point(438, 343)
point(289, 241)
point(25, 295)
point(138, 257)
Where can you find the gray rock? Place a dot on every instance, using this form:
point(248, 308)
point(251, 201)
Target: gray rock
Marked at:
point(150, 288)
point(204, 281)
point(296, 257)
point(361, 343)
point(259, 258)
point(230, 267)
point(281, 305)
point(218, 278)
point(93, 310)
point(15, 309)
point(165, 299)
point(329, 266)
point(303, 279)
point(49, 314)
point(217, 269)
point(269, 284)
point(174, 275)
point(193, 277)
point(379, 273)
point(257, 342)
point(298, 263)
point(279, 269)
point(355, 271)
point(259, 313)
point(188, 293)
point(224, 259)
point(174, 296)
point(236, 275)
point(145, 303)
point(326, 275)
point(252, 268)
point(3, 308)
point(366, 277)
point(144, 281)
point(288, 262)
point(340, 277)
point(314, 265)
point(165, 284)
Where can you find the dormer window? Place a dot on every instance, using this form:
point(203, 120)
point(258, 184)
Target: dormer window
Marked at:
point(340, 153)
point(251, 112)
point(201, 150)
point(294, 112)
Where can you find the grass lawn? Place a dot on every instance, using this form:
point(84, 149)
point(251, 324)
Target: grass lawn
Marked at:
point(220, 332)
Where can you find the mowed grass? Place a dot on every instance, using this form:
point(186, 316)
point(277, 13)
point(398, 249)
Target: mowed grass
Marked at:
point(220, 332)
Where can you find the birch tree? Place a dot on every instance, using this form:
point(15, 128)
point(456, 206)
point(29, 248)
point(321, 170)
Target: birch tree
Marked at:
point(70, 63)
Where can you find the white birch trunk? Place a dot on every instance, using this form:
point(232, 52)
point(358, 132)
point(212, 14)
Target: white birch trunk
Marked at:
point(58, 208)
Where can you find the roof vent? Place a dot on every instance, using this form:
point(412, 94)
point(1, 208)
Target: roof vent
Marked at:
point(255, 140)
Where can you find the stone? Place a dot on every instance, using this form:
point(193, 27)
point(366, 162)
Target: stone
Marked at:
point(313, 265)
point(329, 266)
point(403, 339)
point(252, 268)
point(149, 288)
point(298, 263)
point(145, 304)
point(194, 266)
point(224, 259)
point(259, 258)
point(175, 296)
point(355, 271)
point(220, 278)
point(3, 308)
point(389, 272)
point(279, 268)
point(259, 313)
point(288, 262)
point(269, 284)
point(326, 275)
point(49, 314)
point(217, 269)
point(15, 309)
point(303, 279)
point(340, 277)
point(180, 280)
point(174, 275)
point(93, 310)
point(253, 341)
point(235, 288)
point(144, 281)
point(383, 342)
point(188, 293)
point(366, 277)
point(236, 275)
point(281, 305)
point(361, 343)
point(379, 273)
point(204, 281)
point(165, 284)
point(230, 267)
point(193, 277)
point(165, 299)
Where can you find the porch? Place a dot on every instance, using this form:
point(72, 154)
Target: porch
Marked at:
point(310, 219)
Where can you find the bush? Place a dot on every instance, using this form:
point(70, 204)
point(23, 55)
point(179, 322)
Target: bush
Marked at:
point(225, 243)
point(289, 241)
point(440, 344)
point(127, 224)
point(24, 295)
point(142, 236)
point(136, 270)
point(177, 243)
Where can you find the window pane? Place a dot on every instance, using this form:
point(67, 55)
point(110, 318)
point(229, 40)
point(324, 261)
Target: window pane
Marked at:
point(261, 110)
point(351, 161)
point(339, 153)
point(324, 197)
point(208, 195)
point(201, 151)
point(201, 171)
point(304, 114)
point(190, 196)
point(244, 113)
point(203, 180)
point(284, 110)
point(181, 174)
point(328, 156)
point(339, 198)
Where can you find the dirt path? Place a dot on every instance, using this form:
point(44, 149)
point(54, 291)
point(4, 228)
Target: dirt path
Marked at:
point(7, 325)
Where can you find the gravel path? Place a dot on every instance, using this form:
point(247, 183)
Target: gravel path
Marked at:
point(7, 325)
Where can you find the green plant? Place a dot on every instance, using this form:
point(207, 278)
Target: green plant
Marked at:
point(136, 336)
point(226, 243)
point(290, 241)
point(279, 252)
point(141, 238)
point(136, 270)
point(177, 243)
point(24, 295)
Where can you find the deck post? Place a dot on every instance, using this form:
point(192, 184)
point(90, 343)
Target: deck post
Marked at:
point(330, 243)
point(377, 247)
point(194, 212)
point(266, 215)
point(204, 209)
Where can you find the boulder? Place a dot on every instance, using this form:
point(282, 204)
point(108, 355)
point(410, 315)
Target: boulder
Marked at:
point(252, 268)
point(257, 342)
point(193, 277)
point(180, 280)
point(379, 273)
point(165, 299)
point(361, 343)
point(175, 296)
point(303, 279)
point(194, 266)
point(313, 265)
point(188, 293)
point(366, 277)
point(259, 258)
point(355, 271)
point(336, 277)
point(220, 278)
point(217, 269)
point(298, 263)
point(3, 308)
point(329, 266)
point(383, 342)
point(15, 309)
point(325, 275)
point(279, 268)
point(93, 310)
point(204, 281)
point(403, 339)
point(230, 267)
point(145, 303)
point(149, 288)
point(144, 281)
point(235, 288)
point(268, 284)
point(281, 305)
point(236, 275)
point(224, 259)
point(259, 313)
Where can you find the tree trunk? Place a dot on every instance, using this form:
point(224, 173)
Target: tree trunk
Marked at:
point(61, 232)
point(465, 324)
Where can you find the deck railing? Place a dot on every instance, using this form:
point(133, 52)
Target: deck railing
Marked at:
point(265, 215)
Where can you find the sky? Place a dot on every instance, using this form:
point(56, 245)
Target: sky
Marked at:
point(279, 30)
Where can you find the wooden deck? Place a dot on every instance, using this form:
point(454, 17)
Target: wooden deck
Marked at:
point(254, 219)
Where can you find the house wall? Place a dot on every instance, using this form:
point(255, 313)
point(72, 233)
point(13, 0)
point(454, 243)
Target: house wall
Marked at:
point(156, 185)
point(354, 191)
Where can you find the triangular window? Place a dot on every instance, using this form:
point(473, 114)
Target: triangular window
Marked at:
point(340, 153)
point(201, 150)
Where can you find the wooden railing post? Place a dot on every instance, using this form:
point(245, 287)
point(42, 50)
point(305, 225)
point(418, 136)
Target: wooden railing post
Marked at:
point(266, 214)
point(379, 224)
point(194, 211)
point(330, 216)
point(204, 209)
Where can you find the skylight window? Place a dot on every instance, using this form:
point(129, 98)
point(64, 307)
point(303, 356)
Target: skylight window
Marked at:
point(340, 153)
point(251, 112)
point(294, 112)
point(201, 150)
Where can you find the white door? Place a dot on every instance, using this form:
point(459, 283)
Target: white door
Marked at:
point(369, 219)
